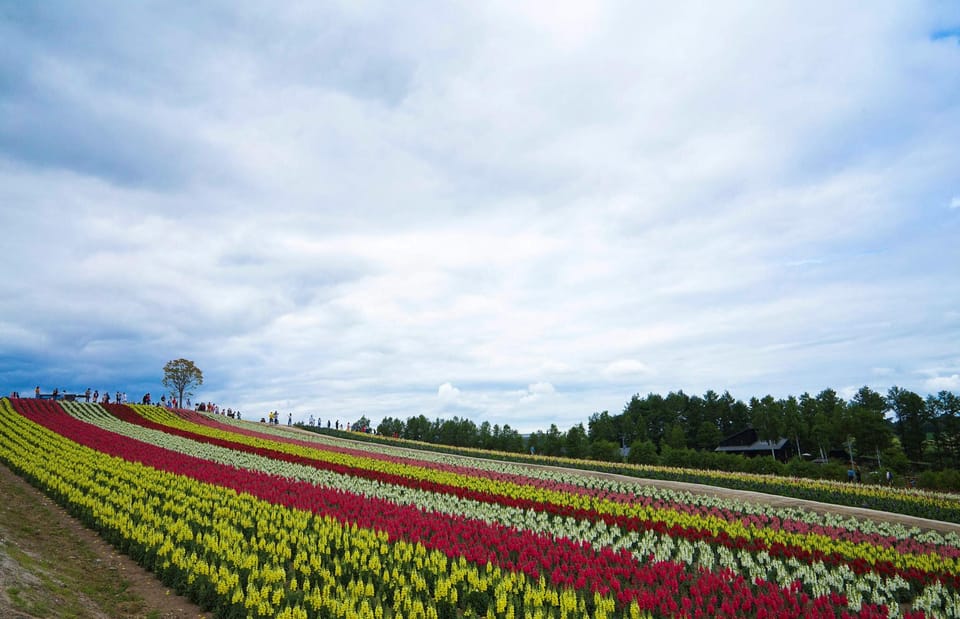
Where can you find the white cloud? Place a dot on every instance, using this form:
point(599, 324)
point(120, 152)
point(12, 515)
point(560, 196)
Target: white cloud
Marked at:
point(847, 392)
point(481, 195)
point(537, 391)
point(943, 383)
point(551, 367)
point(627, 367)
point(448, 394)
point(541, 388)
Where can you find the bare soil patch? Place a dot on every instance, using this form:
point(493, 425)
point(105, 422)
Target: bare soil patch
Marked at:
point(51, 566)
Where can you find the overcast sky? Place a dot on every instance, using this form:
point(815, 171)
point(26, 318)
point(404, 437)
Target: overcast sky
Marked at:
point(520, 212)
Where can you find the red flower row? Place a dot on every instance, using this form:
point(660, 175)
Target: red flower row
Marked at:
point(753, 520)
point(720, 538)
point(664, 587)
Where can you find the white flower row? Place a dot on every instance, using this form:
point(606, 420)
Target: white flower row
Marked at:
point(817, 578)
point(637, 488)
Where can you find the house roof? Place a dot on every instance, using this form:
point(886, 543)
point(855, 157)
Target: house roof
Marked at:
point(755, 446)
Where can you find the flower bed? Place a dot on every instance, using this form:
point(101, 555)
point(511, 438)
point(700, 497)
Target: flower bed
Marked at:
point(254, 525)
point(914, 502)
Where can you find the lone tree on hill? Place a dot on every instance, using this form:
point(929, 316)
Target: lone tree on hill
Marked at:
point(180, 375)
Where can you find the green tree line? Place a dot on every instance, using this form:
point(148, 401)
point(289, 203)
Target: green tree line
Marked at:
point(901, 429)
point(457, 432)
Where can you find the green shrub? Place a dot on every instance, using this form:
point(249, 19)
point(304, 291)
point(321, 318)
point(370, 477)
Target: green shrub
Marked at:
point(643, 452)
point(765, 465)
point(605, 451)
point(679, 457)
point(798, 467)
point(948, 479)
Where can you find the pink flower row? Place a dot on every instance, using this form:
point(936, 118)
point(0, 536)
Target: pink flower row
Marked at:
point(666, 587)
point(757, 521)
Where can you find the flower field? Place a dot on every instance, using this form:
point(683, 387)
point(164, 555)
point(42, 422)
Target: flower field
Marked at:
point(257, 521)
point(943, 506)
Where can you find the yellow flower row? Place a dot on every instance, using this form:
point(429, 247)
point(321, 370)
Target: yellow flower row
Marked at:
point(232, 551)
point(868, 552)
point(922, 498)
point(818, 486)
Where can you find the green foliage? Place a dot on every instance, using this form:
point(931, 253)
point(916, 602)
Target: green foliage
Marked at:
point(708, 435)
point(604, 427)
point(553, 441)
point(798, 467)
point(575, 443)
point(866, 423)
point(605, 451)
point(686, 429)
point(911, 417)
point(418, 428)
point(181, 375)
point(536, 442)
point(680, 457)
point(695, 466)
point(767, 416)
point(941, 480)
point(361, 424)
point(456, 431)
point(943, 410)
point(949, 479)
point(765, 465)
point(643, 452)
point(676, 437)
point(894, 459)
point(390, 427)
point(508, 440)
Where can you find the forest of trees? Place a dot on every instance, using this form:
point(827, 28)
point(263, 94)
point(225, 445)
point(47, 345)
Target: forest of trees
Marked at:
point(901, 429)
point(456, 432)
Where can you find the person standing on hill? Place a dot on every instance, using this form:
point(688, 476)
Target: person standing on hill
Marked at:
point(36, 392)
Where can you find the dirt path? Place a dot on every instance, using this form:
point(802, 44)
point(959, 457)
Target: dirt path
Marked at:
point(51, 566)
point(748, 496)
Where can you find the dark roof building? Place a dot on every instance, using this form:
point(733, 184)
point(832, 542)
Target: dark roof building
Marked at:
point(747, 443)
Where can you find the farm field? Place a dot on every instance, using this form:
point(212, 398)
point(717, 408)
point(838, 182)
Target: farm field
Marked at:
point(251, 520)
point(52, 567)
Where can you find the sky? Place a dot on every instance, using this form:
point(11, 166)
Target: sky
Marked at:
point(514, 212)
